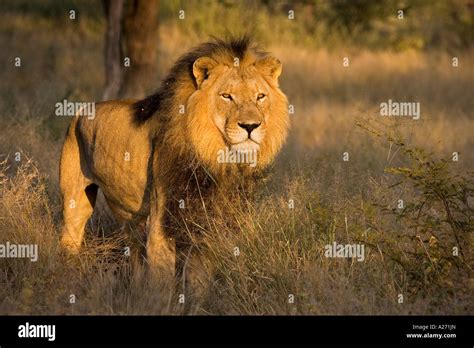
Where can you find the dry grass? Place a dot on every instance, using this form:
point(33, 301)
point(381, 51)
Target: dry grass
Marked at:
point(281, 249)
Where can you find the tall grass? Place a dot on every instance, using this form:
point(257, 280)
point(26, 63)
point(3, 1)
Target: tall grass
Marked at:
point(266, 256)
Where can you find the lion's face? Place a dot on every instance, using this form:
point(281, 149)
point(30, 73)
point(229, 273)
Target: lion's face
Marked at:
point(242, 108)
point(238, 108)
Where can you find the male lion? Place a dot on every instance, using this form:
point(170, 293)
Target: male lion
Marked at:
point(155, 156)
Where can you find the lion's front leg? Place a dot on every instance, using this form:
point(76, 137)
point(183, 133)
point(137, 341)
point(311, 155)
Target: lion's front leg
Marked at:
point(160, 248)
point(160, 252)
point(191, 272)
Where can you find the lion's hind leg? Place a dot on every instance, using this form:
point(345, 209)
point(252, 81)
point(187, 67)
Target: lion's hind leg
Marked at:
point(77, 209)
point(79, 194)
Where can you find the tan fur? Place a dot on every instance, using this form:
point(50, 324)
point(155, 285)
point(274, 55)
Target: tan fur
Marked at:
point(173, 156)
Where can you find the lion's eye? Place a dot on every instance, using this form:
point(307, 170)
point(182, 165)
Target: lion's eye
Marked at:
point(260, 96)
point(226, 96)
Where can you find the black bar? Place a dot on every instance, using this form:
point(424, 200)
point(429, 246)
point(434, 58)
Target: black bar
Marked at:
point(136, 330)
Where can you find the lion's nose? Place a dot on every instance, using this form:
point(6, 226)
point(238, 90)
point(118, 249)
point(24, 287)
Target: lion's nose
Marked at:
point(249, 127)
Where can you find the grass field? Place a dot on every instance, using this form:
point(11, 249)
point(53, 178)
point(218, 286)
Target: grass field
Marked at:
point(312, 197)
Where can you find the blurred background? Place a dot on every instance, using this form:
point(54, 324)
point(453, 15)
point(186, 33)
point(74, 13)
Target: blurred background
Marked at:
point(403, 50)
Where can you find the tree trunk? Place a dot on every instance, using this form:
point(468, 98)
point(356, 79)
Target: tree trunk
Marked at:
point(113, 72)
point(140, 34)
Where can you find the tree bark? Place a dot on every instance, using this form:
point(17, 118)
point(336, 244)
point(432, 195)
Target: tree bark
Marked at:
point(113, 71)
point(140, 34)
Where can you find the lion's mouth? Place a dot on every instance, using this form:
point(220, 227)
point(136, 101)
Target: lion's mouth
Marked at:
point(246, 145)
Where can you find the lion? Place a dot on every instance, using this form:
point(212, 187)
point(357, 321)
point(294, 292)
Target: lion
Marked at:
point(219, 106)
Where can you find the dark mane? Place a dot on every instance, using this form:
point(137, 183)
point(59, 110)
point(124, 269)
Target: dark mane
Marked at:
point(183, 68)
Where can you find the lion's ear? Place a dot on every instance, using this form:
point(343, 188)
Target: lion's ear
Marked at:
point(270, 66)
point(202, 68)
